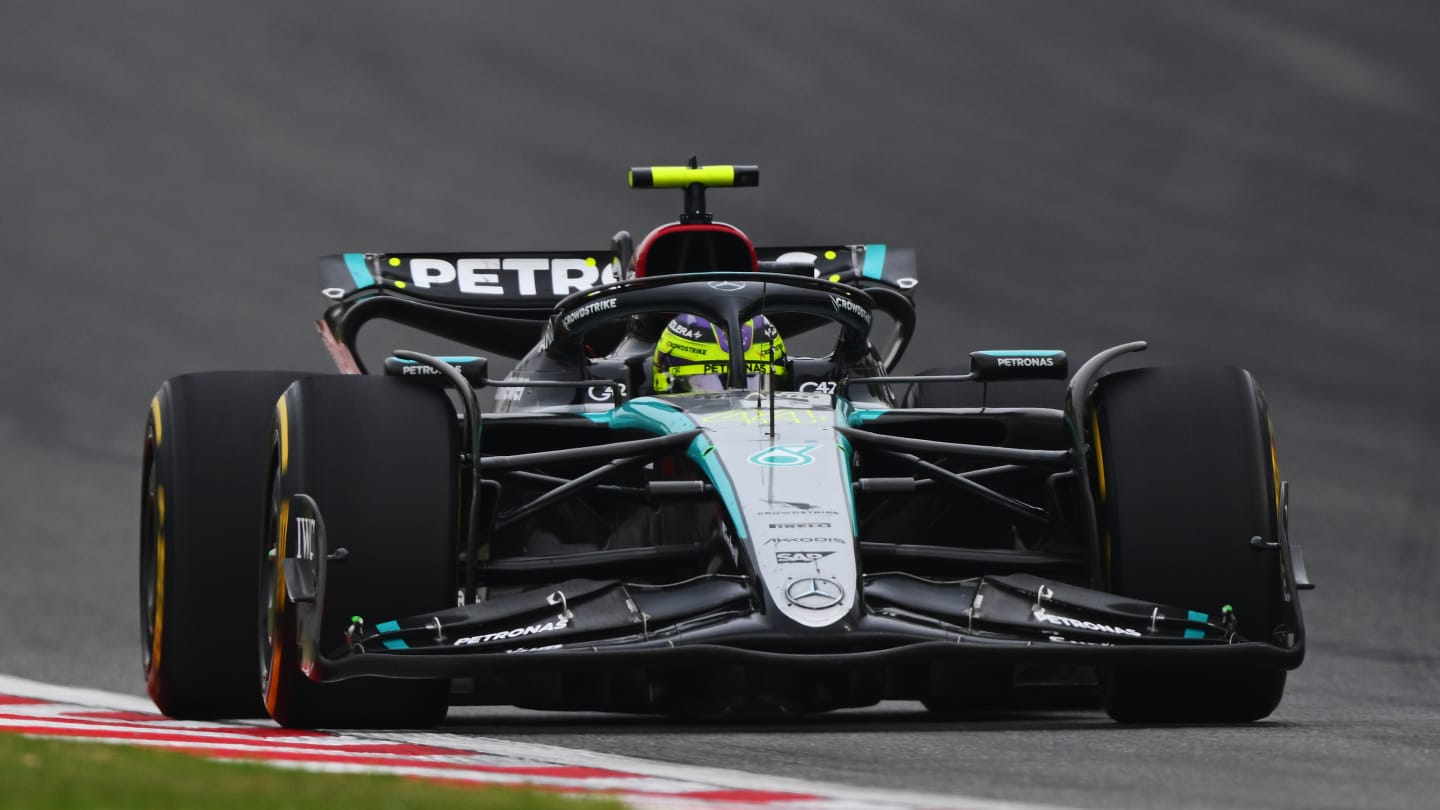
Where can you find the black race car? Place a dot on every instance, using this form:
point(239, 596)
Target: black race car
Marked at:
point(808, 532)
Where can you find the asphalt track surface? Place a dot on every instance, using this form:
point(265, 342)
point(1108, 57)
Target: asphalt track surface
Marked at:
point(1245, 183)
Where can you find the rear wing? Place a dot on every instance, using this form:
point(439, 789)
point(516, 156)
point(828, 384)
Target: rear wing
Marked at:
point(514, 284)
point(499, 301)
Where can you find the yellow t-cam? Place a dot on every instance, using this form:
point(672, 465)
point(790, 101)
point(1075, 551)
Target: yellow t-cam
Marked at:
point(694, 179)
point(686, 176)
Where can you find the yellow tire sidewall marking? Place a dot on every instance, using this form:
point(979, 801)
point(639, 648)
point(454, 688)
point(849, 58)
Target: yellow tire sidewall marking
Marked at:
point(155, 417)
point(1099, 453)
point(1100, 480)
point(283, 416)
point(281, 532)
point(155, 645)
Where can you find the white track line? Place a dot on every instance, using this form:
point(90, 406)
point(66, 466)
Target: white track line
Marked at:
point(641, 783)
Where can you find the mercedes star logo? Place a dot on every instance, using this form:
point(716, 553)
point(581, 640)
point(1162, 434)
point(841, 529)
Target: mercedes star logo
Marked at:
point(727, 286)
point(814, 593)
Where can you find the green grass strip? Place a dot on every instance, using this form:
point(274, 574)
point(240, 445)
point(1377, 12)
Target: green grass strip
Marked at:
point(60, 775)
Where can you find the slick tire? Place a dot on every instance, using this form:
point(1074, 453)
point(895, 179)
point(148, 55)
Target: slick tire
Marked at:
point(1008, 394)
point(202, 484)
point(1185, 475)
point(379, 456)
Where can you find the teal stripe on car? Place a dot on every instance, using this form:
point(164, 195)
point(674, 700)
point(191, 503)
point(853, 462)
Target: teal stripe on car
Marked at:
point(846, 413)
point(664, 419)
point(858, 418)
point(444, 358)
point(874, 261)
point(392, 643)
point(846, 454)
point(1196, 616)
point(355, 263)
point(1021, 352)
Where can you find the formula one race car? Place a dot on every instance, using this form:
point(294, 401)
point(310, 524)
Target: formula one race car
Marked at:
point(674, 506)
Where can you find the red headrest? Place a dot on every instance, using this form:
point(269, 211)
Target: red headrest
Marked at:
point(694, 248)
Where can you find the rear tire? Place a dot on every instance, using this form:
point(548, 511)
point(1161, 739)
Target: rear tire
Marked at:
point(379, 456)
point(1184, 477)
point(202, 483)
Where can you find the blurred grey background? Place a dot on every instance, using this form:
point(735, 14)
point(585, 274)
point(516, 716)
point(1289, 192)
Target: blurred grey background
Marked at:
point(1238, 182)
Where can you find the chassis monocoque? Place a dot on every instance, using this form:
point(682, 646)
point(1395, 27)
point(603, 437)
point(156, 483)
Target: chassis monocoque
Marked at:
point(843, 537)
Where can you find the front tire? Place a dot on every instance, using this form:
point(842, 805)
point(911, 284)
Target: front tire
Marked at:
point(379, 457)
point(202, 483)
point(1185, 476)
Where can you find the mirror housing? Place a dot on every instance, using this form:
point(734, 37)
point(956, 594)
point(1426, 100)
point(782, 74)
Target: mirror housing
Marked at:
point(473, 369)
point(992, 365)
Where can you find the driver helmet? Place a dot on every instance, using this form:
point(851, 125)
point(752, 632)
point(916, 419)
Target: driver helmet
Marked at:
point(694, 354)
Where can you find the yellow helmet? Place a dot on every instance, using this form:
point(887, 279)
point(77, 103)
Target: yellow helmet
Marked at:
point(694, 355)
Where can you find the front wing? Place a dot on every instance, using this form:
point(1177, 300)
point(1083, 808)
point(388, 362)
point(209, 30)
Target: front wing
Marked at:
point(583, 624)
